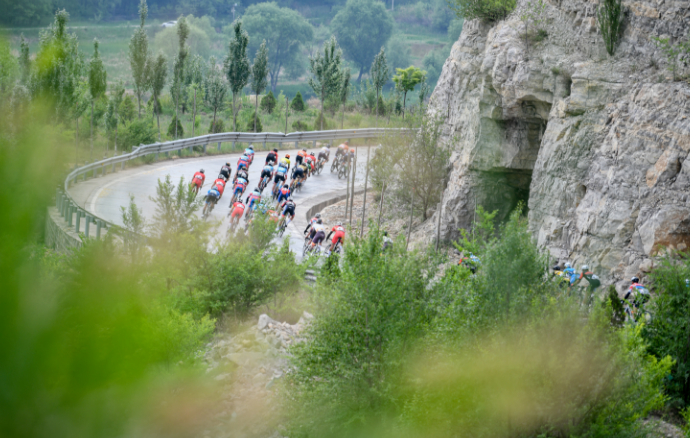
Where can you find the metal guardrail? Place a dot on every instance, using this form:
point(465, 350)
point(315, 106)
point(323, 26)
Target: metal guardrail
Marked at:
point(70, 210)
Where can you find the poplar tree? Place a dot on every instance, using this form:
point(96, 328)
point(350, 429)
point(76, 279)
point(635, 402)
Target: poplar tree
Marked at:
point(98, 81)
point(179, 64)
point(24, 61)
point(379, 74)
point(326, 73)
point(259, 75)
point(237, 66)
point(215, 89)
point(159, 75)
point(112, 119)
point(139, 56)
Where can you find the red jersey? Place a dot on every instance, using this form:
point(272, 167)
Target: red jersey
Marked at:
point(337, 229)
point(220, 185)
point(199, 179)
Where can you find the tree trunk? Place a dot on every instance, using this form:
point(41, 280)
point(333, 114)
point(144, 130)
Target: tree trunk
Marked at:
point(342, 117)
point(177, 98)
point(256, 109)
point(354, 169)
point(91, 157)
point(359, 78)
point(404, 102)
point(364, 201)
point(194, 113)
point(383, 190)
point(213, 127)
point(287, 107)
point(139, 103)
point(322, 98)
point(409, 226)
point(76, 144)
point(234, 113)
point(116, 139)
point(158, 116)
point(377, 108)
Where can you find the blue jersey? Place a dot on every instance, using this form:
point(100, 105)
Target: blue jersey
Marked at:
point(268, 168)
point(214, 193)
point(281, 170)
point(249, 152)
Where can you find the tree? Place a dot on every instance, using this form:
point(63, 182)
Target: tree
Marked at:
point(325, 72)
point(285, 31)
point(398, 52)
point(297, 103)
point(179, 64)
point(268, 103)
point(361, 27)
point(60, 67)
point(379, 75)
point(175, 207)
point(343, 94)
point(112, 119)
point(98, 81)
point(423, 92)
point(24, 61)
point(139, 56)
point(406, 80)
point(159, 74)
point(215, 89)
point(237, 66)
point(610, 19)
point(195, 79)
point(259, 76)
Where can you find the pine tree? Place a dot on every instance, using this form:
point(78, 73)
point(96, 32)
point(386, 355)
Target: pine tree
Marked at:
point(268, 103)
point(297, 103)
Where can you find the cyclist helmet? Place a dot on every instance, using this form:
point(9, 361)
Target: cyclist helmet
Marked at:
point(635, 280)
point(227, 164)
point(347, 143)
point(287, 155)
point(568, 265)
point(251, 147)
point(304, 150)
point(385, 233)
point(317, 215)
point(202, 171)
point(275, 150)
point(584, 268)
point(319, 221)
point(285, 186)
point(339, 224)
point(311, 153)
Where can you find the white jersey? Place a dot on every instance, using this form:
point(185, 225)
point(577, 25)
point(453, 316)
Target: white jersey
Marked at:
point(318, 227)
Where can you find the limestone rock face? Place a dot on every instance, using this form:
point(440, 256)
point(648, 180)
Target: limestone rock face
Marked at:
point(595, 145)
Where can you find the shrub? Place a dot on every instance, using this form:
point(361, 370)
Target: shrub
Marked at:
point(250, 123)
point(487, 10)
point(326, 123)
point(171, 128)
point(268, 103)
point(297, 103)
point(382, 106)
point(128, 109)
point(300, 126)
point(140, 131)
point(219, 127)
point(610, 18)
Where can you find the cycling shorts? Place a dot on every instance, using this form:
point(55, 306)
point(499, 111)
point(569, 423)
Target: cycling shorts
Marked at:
point(237, 212)
point(318, 237)
point(298, 159)
point(289, 210)
point(271, 157)
point(239, 190)
point(339, 235)
point(197, 182)
point(299, 173)
point(323, 156)
point(279, 178)
point(225, 173)
point(282, 197)
point(265, 173)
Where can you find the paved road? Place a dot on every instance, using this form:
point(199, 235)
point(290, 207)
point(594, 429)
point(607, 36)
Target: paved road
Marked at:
point(105, 195)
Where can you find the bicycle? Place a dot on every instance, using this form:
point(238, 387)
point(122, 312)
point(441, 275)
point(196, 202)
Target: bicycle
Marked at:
point(264, 182)
point(336, 163)
point(319, 166)
point(343, 172)
point(311, 249)
point(282, 226)
point(208, 207)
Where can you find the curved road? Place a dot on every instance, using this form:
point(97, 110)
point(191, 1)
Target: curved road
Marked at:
point(104, 196)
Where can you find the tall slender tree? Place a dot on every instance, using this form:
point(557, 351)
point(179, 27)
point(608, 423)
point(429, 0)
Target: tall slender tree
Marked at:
point(343, 94)
point(259, 75)
point(406, 80)
point(237, 66)
point(24, 61)
point(215, 89)
point(139, 56)
point(195, 79)
point(179, 64)
point(326, 72)
point(98, 81)
point(112, 119)
point(379, 76)
point(159, 74)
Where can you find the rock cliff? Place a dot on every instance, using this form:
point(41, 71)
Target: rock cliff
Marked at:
point(596, 145)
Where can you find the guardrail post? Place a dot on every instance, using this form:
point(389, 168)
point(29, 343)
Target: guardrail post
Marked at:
point(314, 144)
point(233, 146)
point(264, 145)
point(65, 209)
point(77, 221)
point(85, 163)
point(98, 228)
point(113, 169)
point(72, 207)
point(280, 145)
point(87, 222)
point(122, 165)
point(296, 145)
point(205, 148)
point(57, 198)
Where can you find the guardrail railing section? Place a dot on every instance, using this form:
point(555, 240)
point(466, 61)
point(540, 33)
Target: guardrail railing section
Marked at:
point(73, 214)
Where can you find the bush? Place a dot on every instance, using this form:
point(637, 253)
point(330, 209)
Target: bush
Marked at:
point(128, 109)
point(610, 18)
point(382, 106)
point(220, 126)
point(300, 126)
point(297, 103)
point(268, 103)
point(140, 131)
point(250, 123)
point(171, 128)
point(326, 124)
point(487, 10)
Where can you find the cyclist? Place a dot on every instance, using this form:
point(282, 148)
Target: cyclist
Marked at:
point(300, 156)
point(244, 161)
point(338, 232)
point(637, 295)
point(285, 162)
point(249, 152)
point(280, 176)
point(324, 154)
point(591, 278)
point(288, 209)
point(242, 173)
point(283, 193)
point(351, 155)
point(240, 186)
point(212, 196)
point(472, 263)
point(318, 233)
point(253, 199)
point(267, 171)
point(219, 184)
point(313, 220)
point(226, 171)
point(310, 160)
point(237, 210)
point(343, 149)
point(272, 156)
point(298, 174)
point(198, 181)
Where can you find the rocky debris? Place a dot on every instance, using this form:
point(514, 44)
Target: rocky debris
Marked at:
point(246, 368)
point(597, 145)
